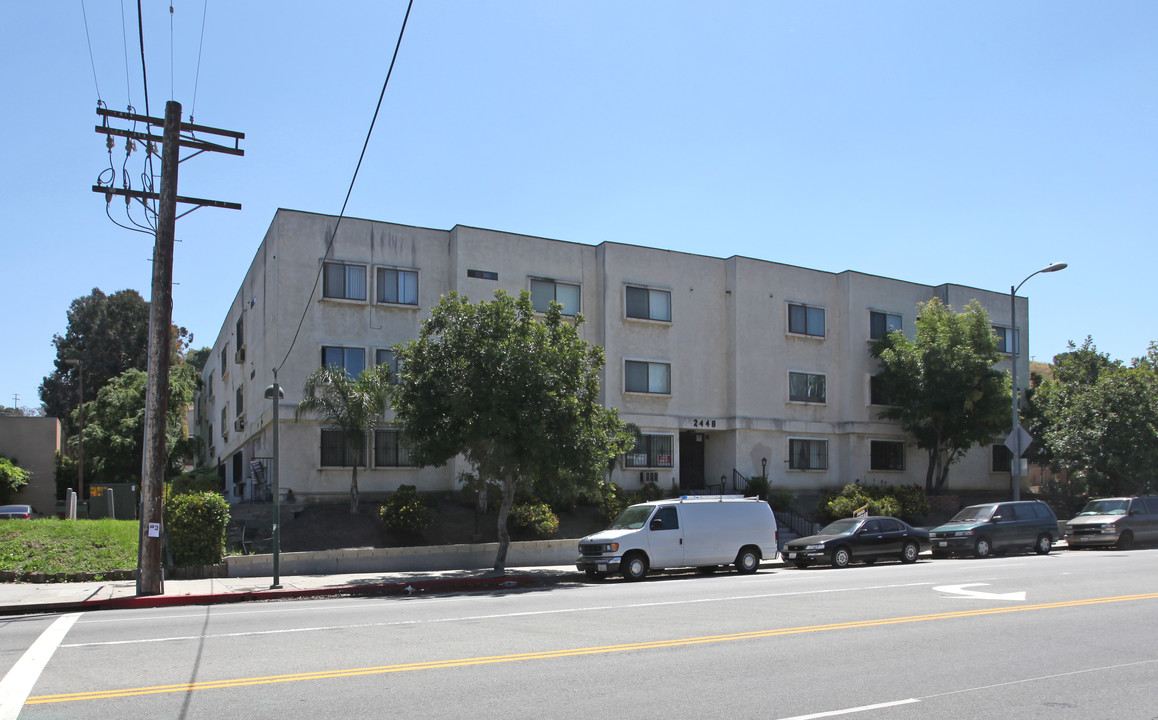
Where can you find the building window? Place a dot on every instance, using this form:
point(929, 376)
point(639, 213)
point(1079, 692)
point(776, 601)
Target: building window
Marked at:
point(647, 304)
point(224, 418)
point(340, 449)
point(881, 324)
point(224, 359)
point(878, 391)
point(806, 320)
point(240, 400)
point(352, 360)
point(1002, 459)
point(886, 455)
point(344, 282)
point(397, 286)
point(388, 452)
point(806, 387)
point(647, 377)
point(482, 274)
point(650, 451)
point(1006, 339)
point(808, 454)
point(543, 292)
point(386, 358)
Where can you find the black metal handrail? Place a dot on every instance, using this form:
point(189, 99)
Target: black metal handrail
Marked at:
point(796, 522)
point(739, 476)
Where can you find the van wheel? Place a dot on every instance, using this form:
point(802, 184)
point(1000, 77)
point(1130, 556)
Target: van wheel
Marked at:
point(1043, 545)
point(748, 560)
point(910, 552)
point(634, 567)
point(841, 557)
point(1126, 541)
point(982, 548)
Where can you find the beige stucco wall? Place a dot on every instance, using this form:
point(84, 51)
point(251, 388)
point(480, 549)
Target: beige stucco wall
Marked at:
point(33, 443)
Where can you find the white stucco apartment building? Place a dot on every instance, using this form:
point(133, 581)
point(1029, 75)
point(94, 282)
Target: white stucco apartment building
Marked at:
point(726, 365)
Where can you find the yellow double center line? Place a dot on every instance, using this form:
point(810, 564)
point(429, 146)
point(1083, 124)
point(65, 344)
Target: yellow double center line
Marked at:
point(576, 652)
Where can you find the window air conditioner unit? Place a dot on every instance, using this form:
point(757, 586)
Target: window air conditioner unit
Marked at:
point(647, 476)
point(239, 424)
point(239, 356)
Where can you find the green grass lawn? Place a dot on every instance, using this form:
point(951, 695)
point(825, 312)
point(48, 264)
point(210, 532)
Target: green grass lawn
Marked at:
point(68, 546)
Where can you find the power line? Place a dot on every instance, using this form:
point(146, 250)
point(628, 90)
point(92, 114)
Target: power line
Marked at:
point(125, 42)
point(200, 48)
point(88, 37)
point(334, 235)
point(144, 74)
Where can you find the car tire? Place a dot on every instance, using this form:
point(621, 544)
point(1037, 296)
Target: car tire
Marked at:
point(983, 547)
point(634, 567)
point(748, 560)
point(841, 557)
point(1125, 540)
point(1043, 545)
point(910, 552)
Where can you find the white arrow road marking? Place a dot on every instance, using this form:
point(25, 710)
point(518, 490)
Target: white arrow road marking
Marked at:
point(17, 684)
point(960, 590)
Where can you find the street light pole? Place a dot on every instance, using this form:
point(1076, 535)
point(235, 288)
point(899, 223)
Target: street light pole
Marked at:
point(1014, 345)
point(80, 428)
point(274, 393)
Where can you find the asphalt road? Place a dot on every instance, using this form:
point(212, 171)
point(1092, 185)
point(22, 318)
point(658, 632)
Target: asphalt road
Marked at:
point(1068, 635)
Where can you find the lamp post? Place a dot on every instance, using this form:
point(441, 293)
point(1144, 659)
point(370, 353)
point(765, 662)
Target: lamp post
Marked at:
point(1015, 428)
point(274, 393)
point(80, 428)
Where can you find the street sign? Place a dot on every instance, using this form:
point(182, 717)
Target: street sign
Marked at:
point(1026, 439)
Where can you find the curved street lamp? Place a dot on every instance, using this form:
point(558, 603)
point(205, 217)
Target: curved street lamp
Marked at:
point(1015, 428)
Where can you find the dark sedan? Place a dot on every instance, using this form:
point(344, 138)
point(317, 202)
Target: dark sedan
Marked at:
point(867, 539)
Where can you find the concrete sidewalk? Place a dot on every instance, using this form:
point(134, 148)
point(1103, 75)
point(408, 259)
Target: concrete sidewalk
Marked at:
point(29, 598)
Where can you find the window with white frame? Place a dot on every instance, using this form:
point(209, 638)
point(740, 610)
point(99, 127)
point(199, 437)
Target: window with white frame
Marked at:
point(650, 451)
point(350, 359)
point(340, 449)
point(805, 320)
point(544, 292)
point(343, 281)
point(646, 377)
point(886, 455)
point(397, 286)
point(224, 359)
point(388, 451)
point(648, 304)
point(881, 324)
point(806, 387)
point(807, 454)
point(385, 357)
point(1006, 339)
point(879, 393)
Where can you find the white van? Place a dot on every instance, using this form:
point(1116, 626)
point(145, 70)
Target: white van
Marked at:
point(684, 533)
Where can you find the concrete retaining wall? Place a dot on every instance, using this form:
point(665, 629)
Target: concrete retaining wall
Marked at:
point(412, 559)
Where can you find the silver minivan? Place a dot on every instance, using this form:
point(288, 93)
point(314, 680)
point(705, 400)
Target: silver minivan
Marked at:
point(1120, 522)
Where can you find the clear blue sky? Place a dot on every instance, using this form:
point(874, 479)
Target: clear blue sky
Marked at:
point(934, 142)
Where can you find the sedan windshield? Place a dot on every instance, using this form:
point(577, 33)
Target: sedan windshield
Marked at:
point(841, 527)
point(978, 512)
point(1105, 507)
point(632, 518)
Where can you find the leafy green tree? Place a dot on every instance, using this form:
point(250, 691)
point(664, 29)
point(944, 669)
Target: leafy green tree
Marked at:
point(114, 426)
point(517, 395)
point(942, 386)
point(109, 334)
point(1099, 420)
point(354, 405)
point(12, 479)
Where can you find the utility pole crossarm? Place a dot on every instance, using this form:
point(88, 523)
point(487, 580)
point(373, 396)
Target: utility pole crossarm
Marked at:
point(142, 195)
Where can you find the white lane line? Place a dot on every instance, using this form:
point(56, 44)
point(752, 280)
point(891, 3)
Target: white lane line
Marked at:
point(850, 711)
point(18, 683)
point(494, 616)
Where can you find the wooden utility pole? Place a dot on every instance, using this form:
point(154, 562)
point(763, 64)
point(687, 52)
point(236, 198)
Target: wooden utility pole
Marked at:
point(149, 576)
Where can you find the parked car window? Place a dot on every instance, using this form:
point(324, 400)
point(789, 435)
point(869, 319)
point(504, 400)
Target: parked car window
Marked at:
point(873, 526)
point(891, 525)
point(976, 512)
point(1152, 505)
point(1105, 507)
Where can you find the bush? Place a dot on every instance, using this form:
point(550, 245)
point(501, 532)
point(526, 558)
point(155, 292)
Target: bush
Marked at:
point(536, 519)
point(852, 498)
point(12, 479)
point(406, 512)
point(759, 486)
point(195, 525)
point(612, 500)
point(780, 499)
point(197, 481)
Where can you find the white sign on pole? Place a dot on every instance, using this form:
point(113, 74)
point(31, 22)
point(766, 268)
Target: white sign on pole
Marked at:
point(1026, 439)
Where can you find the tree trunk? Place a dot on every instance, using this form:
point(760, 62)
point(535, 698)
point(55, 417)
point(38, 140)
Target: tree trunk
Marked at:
point(504, 534)
point(354, 491)
point(929, 473)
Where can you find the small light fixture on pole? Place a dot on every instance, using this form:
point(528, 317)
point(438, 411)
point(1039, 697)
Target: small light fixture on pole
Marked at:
point(1015, 428)
point(274, 393)
point(80, 428)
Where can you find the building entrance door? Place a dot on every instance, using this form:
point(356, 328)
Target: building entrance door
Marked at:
point(692, 460)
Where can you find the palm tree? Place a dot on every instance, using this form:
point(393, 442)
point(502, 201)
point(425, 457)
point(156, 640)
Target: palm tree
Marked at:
point(353, 405)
